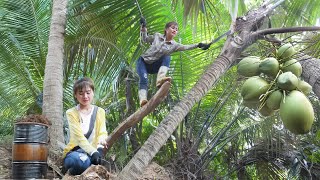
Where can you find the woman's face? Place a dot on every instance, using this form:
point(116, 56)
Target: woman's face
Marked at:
point(85, 96)
point(172, 31)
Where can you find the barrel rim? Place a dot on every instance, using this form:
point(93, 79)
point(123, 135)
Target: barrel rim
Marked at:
point(32, 123)
point(30, 142)
point(30, 162)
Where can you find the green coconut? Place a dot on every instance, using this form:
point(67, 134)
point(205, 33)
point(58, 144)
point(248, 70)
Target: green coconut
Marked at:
point(304, 87)
point(253, 88)
point(285, 52)
point(287, 81)
point(293, 66)
point(266, 111)
point(249, 66)
point(274, 100)
point(269, 66)
point(297, 113)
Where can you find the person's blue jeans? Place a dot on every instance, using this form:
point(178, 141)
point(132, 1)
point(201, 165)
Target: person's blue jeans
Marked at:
point(143, 69)
point(77, 162)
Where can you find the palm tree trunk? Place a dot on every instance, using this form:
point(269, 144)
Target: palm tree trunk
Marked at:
point(311, 72)
point(53, 78)
point(230, 52)
point(136, 117)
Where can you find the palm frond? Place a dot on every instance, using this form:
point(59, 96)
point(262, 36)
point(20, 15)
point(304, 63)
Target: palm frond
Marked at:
point(24, 33)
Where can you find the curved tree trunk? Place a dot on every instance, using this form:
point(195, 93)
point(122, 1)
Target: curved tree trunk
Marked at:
point(230, 52)
point(136, 117)
point(53, 78)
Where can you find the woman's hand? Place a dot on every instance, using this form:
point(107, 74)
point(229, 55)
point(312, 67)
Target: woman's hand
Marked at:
point(96, 158)
point(203, 46)
point(143, 22)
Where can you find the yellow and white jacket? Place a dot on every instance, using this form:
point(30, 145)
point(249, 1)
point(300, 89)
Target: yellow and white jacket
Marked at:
point(77, 137)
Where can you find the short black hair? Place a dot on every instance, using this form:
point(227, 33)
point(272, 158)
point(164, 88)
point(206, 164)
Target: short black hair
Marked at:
point(82, 83)
point(169, 24)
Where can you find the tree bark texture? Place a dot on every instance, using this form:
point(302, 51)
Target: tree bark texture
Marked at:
point(129, 104)
point(140, 114)
point(311, 72)
point(53, 78)
point(232, 49)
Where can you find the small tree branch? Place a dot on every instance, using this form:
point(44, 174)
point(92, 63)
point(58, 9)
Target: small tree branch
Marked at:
point(140, 114)
point(275, 5)
point(285, 30)
point(272, 39)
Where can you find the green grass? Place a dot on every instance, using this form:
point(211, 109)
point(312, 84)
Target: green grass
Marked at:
point(6, 140)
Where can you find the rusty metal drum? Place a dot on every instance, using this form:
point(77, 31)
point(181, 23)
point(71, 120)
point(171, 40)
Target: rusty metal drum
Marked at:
point(30, 151)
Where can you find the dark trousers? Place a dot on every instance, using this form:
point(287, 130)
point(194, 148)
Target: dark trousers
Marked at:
point(143, 69)
point(76, 162)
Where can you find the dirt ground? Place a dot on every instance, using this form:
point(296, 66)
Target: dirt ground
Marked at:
point(152, 172)
point(5, 162)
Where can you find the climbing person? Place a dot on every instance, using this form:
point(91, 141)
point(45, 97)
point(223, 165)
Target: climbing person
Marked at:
point(156, 59)
point(87, 126)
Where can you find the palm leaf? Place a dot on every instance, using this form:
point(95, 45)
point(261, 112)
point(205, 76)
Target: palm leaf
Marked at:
point(23, 50)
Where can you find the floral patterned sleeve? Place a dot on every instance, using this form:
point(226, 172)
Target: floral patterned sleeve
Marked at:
point(181, 47)
point(146, 38)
